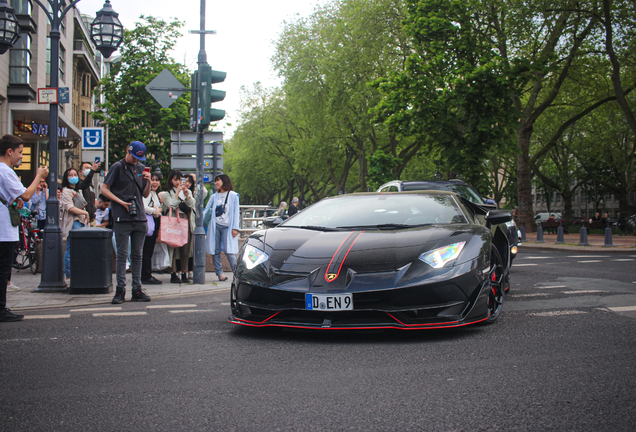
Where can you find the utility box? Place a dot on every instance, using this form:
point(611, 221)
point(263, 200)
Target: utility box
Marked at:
point(91, 261)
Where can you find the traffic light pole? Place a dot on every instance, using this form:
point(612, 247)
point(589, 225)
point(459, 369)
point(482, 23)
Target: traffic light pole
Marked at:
point(199, 231)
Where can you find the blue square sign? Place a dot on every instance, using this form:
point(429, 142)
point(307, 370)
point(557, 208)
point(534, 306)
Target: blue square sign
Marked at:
point(93, 138)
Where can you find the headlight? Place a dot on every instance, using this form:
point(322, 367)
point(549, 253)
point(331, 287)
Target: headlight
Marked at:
point(437, 258)
point(253, 257)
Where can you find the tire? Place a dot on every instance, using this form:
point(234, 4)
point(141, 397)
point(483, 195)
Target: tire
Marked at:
point(499, 280)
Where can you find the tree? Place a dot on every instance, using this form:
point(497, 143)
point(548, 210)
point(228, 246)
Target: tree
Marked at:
point(129, 111)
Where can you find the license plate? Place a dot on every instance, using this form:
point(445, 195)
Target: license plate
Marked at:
point(326, 302)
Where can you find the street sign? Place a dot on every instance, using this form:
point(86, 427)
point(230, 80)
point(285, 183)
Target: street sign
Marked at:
point(207, 178)
point(93, 138)
point(165, 88)
point(189, 136)
point(190, 163)
point(47, 95)
point(63, 95)
point(188, 148)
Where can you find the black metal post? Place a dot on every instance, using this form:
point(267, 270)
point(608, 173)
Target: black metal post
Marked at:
point(52, 278)
point(199, 231)
point(539, 234)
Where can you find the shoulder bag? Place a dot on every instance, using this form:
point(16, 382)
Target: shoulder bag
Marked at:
point(14, 213)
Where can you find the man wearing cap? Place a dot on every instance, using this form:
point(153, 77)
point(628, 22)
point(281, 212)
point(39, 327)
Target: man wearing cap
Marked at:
point(126, 185)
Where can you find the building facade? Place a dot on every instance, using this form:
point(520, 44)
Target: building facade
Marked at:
point(25, 68)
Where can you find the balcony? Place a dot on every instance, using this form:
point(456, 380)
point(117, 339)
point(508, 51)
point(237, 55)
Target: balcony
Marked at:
point(80, 48)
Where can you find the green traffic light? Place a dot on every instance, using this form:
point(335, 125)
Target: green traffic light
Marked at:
point(207, 95)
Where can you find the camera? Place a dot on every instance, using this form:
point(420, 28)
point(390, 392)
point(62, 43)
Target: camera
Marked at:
point(132, 210)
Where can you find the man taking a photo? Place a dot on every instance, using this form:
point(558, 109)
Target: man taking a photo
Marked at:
point(126, 184)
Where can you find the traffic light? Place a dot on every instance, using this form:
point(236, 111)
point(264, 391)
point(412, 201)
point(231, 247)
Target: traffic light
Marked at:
point(207, 95)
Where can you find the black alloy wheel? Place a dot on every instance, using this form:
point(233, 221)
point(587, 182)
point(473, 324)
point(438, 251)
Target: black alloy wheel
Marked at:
point(499, 280)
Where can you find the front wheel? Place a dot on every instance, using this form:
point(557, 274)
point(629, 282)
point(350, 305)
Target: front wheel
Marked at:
point(498, 281)
point(34, 256)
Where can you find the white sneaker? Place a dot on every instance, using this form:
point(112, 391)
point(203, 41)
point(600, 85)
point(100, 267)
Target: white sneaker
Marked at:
point(127, 265)
point(12, 287)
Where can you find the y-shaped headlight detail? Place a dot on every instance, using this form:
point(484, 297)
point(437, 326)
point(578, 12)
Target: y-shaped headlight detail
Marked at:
point(253, 257)
point(437, 258)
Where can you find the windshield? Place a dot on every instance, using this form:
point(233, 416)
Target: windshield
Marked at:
point(379, 211)
point(460, 189)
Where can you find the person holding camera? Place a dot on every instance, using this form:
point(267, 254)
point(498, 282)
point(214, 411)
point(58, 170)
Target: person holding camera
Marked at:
point(126, 184)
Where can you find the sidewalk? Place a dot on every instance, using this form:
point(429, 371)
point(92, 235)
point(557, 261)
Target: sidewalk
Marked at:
point(25, 298)
point(622, 244)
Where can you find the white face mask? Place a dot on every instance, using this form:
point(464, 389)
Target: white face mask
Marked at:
point(87, 171)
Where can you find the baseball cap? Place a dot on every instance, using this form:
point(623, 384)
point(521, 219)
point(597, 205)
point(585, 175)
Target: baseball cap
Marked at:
point(138, 150)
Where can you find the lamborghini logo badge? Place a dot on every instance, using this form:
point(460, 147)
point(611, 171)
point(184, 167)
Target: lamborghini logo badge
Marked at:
point(331, 276)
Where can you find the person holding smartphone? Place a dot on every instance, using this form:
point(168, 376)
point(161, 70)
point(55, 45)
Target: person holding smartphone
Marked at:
point(126, 185)
point(85, 185)
point(38, 203)
point(12, 193)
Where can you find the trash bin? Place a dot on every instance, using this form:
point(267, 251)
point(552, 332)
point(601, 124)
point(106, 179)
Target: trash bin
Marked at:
point(91, 261)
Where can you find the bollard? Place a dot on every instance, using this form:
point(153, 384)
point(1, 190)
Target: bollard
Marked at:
point(608, 237)
point(560, 235)
point(523, 234)
point(540, 234)
point(583, 239)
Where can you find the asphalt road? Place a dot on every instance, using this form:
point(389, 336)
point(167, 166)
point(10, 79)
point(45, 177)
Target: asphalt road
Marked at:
point(561, 357)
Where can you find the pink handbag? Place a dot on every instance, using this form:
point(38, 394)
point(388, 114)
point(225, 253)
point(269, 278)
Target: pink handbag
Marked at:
point(174, 230)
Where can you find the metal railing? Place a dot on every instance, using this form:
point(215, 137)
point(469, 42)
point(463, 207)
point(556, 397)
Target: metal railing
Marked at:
point(252, 217)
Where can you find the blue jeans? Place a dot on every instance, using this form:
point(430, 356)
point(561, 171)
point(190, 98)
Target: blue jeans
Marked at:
point(67, 253)
point(220, 246)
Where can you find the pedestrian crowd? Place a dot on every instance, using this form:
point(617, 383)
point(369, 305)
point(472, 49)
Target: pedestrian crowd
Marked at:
point(153, 229)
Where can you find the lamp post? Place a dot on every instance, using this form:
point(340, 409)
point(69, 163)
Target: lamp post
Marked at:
point(107, 34)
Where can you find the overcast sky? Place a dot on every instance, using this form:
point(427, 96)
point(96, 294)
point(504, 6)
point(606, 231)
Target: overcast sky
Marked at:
point(242, 47)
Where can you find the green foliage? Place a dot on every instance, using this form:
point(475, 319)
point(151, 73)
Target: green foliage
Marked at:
point(381, 166)
point(130, 112)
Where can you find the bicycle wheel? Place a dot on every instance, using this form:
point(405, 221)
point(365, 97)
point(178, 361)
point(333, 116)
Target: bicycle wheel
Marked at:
point(22, 261)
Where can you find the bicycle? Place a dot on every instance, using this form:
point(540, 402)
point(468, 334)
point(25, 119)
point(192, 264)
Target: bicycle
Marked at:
point(27, 255)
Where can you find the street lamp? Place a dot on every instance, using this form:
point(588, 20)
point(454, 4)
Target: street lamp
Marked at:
point(106, 33)
point(9, 27)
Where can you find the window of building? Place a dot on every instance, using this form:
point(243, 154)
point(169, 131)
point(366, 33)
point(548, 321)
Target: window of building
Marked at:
point(83, 118)
point(22, 7)
point(19, 61)
point(62, 63)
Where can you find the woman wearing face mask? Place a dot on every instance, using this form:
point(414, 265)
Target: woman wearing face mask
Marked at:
point(153, 207)
point(73, 215)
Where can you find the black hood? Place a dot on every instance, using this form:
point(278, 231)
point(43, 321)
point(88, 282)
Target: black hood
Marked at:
point(330, 257)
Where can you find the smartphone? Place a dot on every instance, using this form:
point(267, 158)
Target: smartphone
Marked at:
point(147, 169)
point(97, 160)
point(182, 179)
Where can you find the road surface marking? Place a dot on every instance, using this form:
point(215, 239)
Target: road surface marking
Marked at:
point(624, 259)
point(524, 265)
point(587, 256)
point(552, 286)
point(119, 314)
point(46, 316)
point(96, 309)
point(558, 313)
point(536, 257)
point(227, 304)
point(191, 310)
point(623, 309)
point(532, 295)
point(583, 291)
point(589, 261)
point(171, 306)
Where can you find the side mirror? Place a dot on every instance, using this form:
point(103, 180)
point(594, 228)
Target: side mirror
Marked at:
point(272, 221)
point(496, 217)
point(490, 201)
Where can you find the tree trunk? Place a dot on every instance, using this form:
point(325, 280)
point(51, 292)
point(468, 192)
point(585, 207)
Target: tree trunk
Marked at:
point(525, 214)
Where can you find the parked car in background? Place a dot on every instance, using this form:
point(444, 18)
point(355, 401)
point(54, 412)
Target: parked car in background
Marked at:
point(462, 189)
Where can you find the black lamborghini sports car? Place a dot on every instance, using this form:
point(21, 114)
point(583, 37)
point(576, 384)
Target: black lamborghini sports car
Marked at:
point(407, 260)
